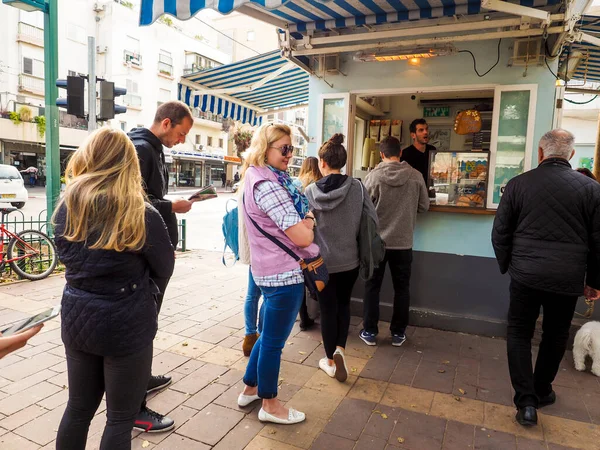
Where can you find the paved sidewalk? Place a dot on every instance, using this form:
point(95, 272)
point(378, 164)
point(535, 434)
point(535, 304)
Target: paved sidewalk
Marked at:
point(440, 390)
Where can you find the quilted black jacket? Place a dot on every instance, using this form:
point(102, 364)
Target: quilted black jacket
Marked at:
point(108, 304)
point(155, 175)
point(547, 229)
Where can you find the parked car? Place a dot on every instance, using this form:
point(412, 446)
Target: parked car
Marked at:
point(12, 187)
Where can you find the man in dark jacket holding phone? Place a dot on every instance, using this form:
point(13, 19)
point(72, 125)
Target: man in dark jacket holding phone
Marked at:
point(546, 235)
point(172, 123)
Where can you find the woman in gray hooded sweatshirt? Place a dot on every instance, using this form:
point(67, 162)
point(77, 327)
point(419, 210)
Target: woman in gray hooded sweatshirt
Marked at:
point(337, 202)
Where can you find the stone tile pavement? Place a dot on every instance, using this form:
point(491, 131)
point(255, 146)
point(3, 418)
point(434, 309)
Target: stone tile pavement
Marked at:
point(441, 390)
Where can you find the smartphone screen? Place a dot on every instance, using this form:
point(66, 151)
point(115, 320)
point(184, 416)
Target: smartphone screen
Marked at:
point(31, 321)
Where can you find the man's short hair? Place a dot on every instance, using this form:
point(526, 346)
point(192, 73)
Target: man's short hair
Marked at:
point(390, 147)
point(413, 125)
point(557, 143)
point(175, 110)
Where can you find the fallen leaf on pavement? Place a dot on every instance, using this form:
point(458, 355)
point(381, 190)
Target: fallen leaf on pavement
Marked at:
point(441, 371)
point(401, 440)
point(384, 416)
point(272, 431)
point(446, 362)
point(145, 444)
point(185, 344)
point(457, 398)
point(302, 353)
point(462, 391)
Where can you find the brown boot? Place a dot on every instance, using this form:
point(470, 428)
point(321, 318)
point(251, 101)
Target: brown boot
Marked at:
point(248, 344)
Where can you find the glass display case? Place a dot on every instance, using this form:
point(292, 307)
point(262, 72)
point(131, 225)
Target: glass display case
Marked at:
point(458, 178)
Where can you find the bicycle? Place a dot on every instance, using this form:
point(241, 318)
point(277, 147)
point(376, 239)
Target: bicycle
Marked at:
point(31, 254)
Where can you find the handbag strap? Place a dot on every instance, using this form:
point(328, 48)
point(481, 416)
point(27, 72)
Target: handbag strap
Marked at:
point(274, 240)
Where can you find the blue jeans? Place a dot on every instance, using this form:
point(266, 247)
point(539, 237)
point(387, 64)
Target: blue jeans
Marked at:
point(251, 307)
point(281, 306)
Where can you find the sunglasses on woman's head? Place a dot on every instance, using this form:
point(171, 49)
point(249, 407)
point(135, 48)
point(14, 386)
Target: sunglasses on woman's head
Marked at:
point(285, 149)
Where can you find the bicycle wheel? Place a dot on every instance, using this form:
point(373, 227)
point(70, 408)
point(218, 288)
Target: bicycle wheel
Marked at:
point(38, 255)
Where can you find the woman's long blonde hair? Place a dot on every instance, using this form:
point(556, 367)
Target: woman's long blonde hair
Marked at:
point(309, 172)
point(262, 139)
point(104, 198)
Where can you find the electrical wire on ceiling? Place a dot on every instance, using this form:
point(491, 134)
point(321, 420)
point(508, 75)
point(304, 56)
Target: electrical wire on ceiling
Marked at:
point(475, 61)
point(228, 37)
point(581, 103)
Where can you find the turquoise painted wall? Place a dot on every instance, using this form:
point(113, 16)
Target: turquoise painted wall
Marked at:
point(460, 234)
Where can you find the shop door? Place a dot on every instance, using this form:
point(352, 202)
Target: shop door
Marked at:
point(198, 179)
point(511, 146)
point(336, 115)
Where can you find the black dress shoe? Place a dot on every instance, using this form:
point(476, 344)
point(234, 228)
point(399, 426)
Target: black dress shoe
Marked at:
point(547, 400)
point(158, 382)
point(527, 416)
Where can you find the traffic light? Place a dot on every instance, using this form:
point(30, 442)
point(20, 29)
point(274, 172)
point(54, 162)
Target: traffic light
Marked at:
point(108, 92)
point(75, 101)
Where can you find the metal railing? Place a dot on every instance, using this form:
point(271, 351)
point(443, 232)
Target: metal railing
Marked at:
point(31, 33)
point(16, 222)
point(196, 112)
point(132, 57)
point(133, 100)
point(165, 68)
point(30, 83)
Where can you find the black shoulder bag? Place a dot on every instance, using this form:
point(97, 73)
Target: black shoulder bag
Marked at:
point(315, 272)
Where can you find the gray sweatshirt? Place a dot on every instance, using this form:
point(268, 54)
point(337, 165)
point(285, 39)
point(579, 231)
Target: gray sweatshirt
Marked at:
point(398, 193)
point(338, 215)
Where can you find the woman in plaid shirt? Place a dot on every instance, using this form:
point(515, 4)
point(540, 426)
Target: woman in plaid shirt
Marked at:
point(274, 204)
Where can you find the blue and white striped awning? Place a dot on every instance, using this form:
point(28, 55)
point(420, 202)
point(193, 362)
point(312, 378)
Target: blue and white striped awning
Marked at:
point(304, 15)
point(242, 90)
point(589, 66)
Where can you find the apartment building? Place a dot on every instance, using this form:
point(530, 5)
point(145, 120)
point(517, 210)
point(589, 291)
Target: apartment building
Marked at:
point(148, 61)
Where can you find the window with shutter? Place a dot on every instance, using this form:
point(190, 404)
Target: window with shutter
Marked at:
point(28, 66)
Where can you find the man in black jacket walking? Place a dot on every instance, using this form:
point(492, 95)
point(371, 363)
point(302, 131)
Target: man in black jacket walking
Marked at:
point(172, 123)
point(547, 236)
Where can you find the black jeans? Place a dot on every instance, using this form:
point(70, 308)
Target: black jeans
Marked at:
point(334, 301)
point(523, 313)
point(123, 378)
point(162, 284)
point(400, 262)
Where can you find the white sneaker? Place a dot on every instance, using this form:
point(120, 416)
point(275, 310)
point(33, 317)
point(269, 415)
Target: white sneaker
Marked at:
point(325, 367)
point(341, 369)
point(293, 417)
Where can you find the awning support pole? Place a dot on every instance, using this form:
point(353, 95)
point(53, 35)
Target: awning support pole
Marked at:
point(518, 10)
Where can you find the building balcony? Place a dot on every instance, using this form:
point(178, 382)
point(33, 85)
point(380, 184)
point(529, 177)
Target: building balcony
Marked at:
point(73, 129)
point(165, 69)
point(210, 117)
point(132, 59)
point(31, 84)
point(193, 68)
point(133, 100)
point(30, 34)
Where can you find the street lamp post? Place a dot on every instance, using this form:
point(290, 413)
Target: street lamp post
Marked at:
point(50, 10)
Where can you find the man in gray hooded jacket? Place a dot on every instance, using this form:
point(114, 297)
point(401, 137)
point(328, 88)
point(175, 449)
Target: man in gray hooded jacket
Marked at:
point(398, 192)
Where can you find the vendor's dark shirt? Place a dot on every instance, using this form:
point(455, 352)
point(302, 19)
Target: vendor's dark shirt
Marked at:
point(418, 160)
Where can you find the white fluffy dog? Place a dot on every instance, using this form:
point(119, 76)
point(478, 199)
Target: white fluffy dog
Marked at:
point(587, 342)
